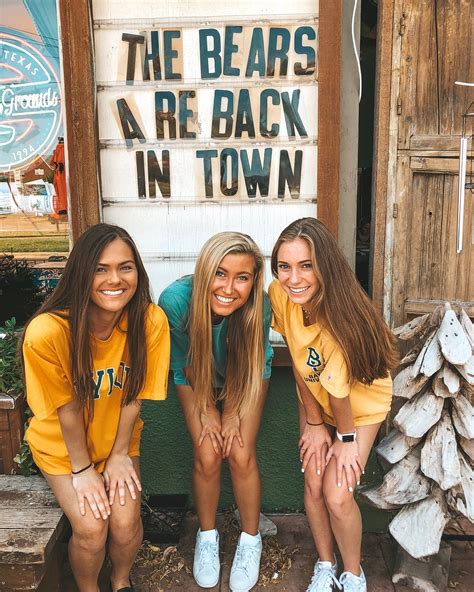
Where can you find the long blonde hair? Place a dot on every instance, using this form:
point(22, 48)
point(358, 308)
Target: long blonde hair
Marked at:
point(245, 345)
point(341, 305)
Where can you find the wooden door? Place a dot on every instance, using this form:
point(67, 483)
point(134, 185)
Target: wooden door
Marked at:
point(432, 46)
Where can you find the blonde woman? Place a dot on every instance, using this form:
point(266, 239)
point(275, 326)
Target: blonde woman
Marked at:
point(221, 359)
point(342, 353)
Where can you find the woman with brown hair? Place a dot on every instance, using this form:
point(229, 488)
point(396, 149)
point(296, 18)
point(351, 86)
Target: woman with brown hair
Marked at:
point(221, 361)
point(93, 351)
point(342, 353)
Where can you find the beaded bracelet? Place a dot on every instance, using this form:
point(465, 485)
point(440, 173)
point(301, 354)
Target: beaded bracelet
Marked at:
point(91, 464)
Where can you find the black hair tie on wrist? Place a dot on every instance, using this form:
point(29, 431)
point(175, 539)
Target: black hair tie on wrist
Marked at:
point(314, 424)
point(91, 464)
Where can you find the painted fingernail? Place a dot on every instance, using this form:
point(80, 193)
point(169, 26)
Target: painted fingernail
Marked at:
point(350, 489)
point(358, 482)
point(319, 472)
point(302, 470)
point(339, 484)
point(301, 460)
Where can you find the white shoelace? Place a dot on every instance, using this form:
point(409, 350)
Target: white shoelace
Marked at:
point(208, 554)
point(246, 555)
point(350, 582)
point(325, 577)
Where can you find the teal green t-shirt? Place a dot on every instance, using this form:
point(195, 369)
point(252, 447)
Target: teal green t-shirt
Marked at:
point(175, 301)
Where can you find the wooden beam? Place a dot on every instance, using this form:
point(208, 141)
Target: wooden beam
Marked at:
point(381, 148)
point(329, 112)
point(82, 154)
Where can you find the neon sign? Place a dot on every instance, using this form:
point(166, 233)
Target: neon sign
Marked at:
point(30, 105)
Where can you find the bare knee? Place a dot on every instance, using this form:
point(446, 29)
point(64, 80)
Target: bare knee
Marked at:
point(90, 534)
point(207, 463)
point(125, 527)
point(339, 501)
point(313, 486)
point(241, 460)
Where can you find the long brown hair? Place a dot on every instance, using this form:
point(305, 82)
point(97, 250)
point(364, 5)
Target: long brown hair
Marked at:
point(245, 346)
point(70, 300)
point(341, 305)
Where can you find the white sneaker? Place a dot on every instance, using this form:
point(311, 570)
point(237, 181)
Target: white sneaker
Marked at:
point(324, 577)
point(246, 564)
point(352, 583)
point(206, 566)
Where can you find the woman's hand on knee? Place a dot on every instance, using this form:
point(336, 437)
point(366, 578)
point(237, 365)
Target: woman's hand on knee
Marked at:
point(315, 440)
point(118, 473)
point(230, 429)
point(89, 486)
point(348, 461)
point(211, 426)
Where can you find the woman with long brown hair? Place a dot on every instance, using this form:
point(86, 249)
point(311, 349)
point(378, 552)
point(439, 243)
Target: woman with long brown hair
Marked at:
point(93, 351)
point(342, 353)
point(221, 360)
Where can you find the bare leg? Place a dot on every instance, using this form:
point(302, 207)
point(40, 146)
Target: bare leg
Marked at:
point(315, 505)
point(244, 468)
point(207, 464)
point(89, 534)
point(126, 534)
point(346, 521)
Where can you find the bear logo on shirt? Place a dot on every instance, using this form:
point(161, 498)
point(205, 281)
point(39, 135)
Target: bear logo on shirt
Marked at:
point(314, 362)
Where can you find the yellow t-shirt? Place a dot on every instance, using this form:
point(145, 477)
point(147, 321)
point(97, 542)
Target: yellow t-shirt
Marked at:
point(319, 361)
point(46, 353)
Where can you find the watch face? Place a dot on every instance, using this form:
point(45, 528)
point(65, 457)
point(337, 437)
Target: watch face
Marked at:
point(348, 438)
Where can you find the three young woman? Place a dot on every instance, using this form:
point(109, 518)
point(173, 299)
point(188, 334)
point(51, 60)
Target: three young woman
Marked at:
point(98, 346)
point(93, 351)
point(342, 353)
point(221, 360)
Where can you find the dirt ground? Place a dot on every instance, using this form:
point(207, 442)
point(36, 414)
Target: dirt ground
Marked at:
point(287, 563)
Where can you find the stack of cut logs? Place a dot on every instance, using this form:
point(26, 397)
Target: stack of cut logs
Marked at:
point(430, 453)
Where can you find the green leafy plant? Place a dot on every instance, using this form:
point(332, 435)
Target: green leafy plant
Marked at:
point(11, 382)
point(24, 458)
point(21, 293)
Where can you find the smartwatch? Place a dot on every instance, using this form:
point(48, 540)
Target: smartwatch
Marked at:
point(349, 437)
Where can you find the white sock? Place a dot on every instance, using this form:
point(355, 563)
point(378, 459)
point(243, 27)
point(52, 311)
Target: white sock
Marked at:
point(250, 539)
point(208, 535)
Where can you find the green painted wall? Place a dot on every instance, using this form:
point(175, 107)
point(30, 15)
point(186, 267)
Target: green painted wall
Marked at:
point(167, 453)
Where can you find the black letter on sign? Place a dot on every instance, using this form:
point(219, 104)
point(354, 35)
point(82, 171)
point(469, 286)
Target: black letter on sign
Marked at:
point(157, 175)
point(132, 41)
point(244, 119)
point(130, 128)
point(170, 54)
point(234, 161)
point(161, 116)
point(140, 174)
point(257, 175)
point(286, 175)
point(153, 55)
point(308, 51)
point(292, 117)
point(218, 113)
point(206, 155)
point(185, 113)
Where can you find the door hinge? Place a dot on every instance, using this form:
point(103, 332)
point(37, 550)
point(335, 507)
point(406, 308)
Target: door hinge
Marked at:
point(395, 210)
point(399, 106)
point(402, 25)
